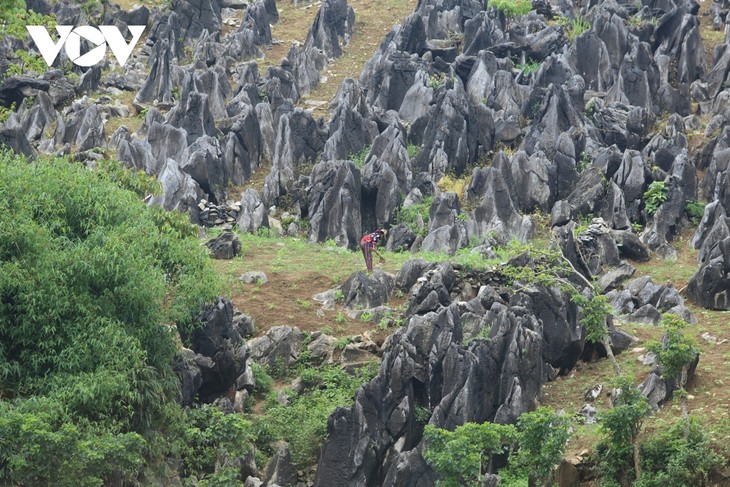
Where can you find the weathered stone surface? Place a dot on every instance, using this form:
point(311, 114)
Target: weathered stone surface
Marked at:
point(363, 292)
point(280, 345)
point(225, 246)
point(426, 364)
point(334, 203)
point(253, 213)
point(280, 470)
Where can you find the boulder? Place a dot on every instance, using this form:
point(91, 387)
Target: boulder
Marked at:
point(179, 191)
point(280, 469)
point(253, 214)
point(187, 370)
point(281, 345)
point(226, 246)
point(709, 287)
point(364, 292)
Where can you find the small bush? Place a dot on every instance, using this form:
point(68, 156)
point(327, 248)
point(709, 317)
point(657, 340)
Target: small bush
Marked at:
point(264, 382)
point(576, 27)
point(409, 216)
point(695, 210)
point(674, 458)
point(529, 68)
point(310, 412)
point(584, 162)
point(412, 150)
point(461, 455)
point(452, 184)
point(512, 8)
point(655, 196)
point(359, 158)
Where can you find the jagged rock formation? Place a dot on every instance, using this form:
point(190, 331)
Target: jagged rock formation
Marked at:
point(578, 125)
point(431, 363)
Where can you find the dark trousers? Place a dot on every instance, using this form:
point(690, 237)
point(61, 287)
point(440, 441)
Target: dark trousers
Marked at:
point(366, 252)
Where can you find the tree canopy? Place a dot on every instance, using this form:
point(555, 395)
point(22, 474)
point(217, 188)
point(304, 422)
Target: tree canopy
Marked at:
point(92, 283)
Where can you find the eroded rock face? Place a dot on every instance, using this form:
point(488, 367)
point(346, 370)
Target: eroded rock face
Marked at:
point(225, 246)
point(217, 357)
point(710, 285)
point(280, 345)
point(426, 364)
point(334, 203)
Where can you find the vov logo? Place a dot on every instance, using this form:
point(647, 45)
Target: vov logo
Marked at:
point(70, 37)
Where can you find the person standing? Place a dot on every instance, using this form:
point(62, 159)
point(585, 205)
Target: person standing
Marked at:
point(368, 244)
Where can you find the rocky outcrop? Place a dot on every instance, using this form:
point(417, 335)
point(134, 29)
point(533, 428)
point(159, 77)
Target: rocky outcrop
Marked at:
point(643, 301)
point(253, 213)
point(280, 346)
point(334, 203)
point(226, 246)
point(217, 357)
point(364, 292)
point(710, 286)
point(428, 365)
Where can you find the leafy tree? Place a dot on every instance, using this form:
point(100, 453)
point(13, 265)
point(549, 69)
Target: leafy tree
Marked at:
point(459, 456)
point(215, 444)
point(621, 426)
point(91, 281)
point(541, 435)
point(676, 353)
point(595, 313)
point(679, 456)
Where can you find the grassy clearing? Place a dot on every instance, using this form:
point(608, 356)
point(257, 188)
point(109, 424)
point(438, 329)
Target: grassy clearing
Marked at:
point(297, 270)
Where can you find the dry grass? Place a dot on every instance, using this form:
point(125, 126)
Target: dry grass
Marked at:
point(710, 37)
point(372, 22)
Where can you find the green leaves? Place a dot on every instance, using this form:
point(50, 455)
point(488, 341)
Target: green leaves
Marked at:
point(512, 8)
point(40, 446)
point(595, 311)
point(678, 350)
point(214, 443)
point(415, 214)
point(655, 196)
point(542, 435)
point(460, 455)
point(89, 276)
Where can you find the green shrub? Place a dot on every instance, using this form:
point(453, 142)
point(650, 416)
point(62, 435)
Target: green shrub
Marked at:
point(655, 196)
point(695, 210)
point(460, 456)
point(6, 112)
point(214, 442)
point(310, 412)
point(576, 27)
point(678, 457)
point(584, 162)
point(409, 216)
point(512, 8)
point(620, 427)
point(88, 277)
point(541, 436)
point(264, 382)
point(412, 150)
point(359, 158)
point(529, 67)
